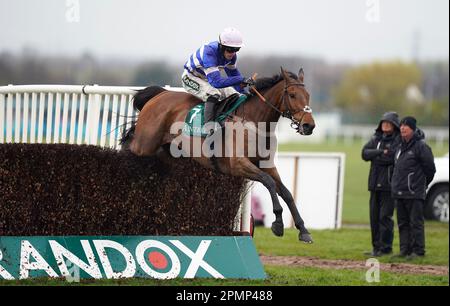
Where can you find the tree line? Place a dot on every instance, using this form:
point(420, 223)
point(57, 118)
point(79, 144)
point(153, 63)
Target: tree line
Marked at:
point(360, 92)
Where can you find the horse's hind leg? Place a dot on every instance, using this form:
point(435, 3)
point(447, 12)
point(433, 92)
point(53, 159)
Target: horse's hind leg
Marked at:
point(244, 167)
point(304, 235)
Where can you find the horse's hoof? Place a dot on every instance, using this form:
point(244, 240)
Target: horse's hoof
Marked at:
point(306, 237)
point(278, 228)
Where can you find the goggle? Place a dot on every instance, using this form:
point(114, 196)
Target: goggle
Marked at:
point(231, 49)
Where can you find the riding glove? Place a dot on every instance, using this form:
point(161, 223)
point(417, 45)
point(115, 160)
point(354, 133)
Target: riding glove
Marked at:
point(249, 82)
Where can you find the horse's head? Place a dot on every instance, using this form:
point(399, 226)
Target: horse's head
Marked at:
point(295, 103)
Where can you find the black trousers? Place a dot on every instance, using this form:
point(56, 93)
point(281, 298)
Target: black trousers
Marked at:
point(411, 227)
point(381, 222)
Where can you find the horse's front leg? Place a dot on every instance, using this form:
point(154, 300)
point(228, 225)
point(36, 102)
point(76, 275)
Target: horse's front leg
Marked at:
point(304, 235)
point(244, 167)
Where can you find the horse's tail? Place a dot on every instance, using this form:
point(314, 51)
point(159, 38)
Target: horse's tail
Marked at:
point(127, 135)
point(140, 98)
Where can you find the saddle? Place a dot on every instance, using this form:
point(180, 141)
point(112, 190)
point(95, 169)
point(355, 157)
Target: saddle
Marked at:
point(194, 122)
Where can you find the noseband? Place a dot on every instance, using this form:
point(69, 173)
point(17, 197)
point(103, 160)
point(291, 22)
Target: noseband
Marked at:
point(295, 124)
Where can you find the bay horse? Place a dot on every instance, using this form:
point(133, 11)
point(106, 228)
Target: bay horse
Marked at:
point(282, 95)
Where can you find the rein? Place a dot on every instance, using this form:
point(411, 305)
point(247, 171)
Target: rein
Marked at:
point(295, 124)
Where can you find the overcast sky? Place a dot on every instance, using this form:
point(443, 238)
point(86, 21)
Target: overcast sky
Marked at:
point(335, 30)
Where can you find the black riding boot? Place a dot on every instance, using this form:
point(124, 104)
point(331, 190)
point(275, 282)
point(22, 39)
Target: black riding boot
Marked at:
point(210, 108)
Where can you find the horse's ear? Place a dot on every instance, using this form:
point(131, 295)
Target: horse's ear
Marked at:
point(301, 75)
point(285, 75)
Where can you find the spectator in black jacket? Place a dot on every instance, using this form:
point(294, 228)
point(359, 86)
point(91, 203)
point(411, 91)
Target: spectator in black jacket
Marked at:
point(414, 170)
point(380, 151)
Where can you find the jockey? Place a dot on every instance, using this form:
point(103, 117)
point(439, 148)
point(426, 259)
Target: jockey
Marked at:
point(202, 72)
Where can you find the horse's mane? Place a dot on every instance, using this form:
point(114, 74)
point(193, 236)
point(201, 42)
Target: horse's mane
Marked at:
point(264, 83)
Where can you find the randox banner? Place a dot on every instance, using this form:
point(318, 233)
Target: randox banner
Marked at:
point(112, 257)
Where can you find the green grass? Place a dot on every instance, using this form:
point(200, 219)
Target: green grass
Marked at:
point(350, 243)
point(307, 276)
point(356, 195)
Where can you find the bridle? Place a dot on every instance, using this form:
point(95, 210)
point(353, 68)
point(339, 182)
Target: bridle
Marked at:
point(288, 113)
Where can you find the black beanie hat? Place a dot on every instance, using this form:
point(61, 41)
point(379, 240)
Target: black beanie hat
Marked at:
point(409, 121)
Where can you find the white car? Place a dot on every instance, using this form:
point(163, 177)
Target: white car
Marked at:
point(436, 204)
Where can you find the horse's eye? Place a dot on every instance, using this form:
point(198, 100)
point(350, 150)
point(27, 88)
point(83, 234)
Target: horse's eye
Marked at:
point(292, 95)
